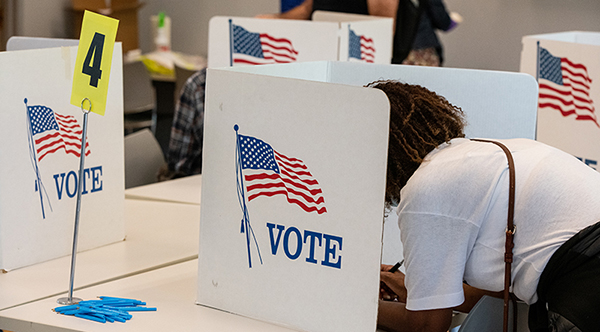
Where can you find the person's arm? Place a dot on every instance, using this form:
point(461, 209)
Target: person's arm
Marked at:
point(383, 8)
point(300, 12)
point(393, 316)
point(473, 295)
point(440, 18)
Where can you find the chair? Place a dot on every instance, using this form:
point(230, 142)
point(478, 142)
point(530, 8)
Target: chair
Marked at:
point(181, 76)
point(139, 98)
point(143, 158)
point(487, 314)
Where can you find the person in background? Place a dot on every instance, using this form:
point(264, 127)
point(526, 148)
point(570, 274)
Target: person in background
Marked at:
point(452, 213)
point(414, 23)
point(383, 8)
point(427, 49)
point(184, 156)
point(289, 4)
point(304, 10)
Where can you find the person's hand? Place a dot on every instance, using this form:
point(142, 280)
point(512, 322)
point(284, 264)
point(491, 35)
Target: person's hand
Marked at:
point(392, 285)
point(456, 17)
point(455, 20)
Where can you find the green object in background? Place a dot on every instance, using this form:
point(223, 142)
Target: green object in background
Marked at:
point(161, 19)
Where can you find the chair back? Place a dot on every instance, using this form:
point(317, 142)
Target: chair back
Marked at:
point(181, 76)
point(143, 158)
point(139, 98)
point(138, 93)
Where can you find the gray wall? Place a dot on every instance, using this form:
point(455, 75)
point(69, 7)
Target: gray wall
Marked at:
point(43, 18)
point(489, 37)
point(189, 20)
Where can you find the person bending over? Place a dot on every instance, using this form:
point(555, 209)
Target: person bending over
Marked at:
point(452, 196)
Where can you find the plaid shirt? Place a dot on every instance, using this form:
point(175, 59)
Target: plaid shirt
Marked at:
point(185, 147)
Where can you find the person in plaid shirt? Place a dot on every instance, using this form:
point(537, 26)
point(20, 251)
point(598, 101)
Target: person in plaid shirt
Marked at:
point(184, 156)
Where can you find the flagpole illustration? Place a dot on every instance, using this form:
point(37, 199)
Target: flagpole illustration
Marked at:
point(230, 43)
point(39, 185)
point(537, 63)
point(245, 223)
point(349, 39)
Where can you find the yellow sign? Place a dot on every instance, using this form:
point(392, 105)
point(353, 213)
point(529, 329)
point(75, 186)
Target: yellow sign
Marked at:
point(94, 58)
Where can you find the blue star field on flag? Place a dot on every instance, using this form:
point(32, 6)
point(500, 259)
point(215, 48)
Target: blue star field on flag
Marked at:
point(42, 119)
point(246, 42)
point(550, 67)
point(354, 46)
point(256, 154)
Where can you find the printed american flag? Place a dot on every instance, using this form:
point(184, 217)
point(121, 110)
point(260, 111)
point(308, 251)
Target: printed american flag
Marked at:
point(565, 87)
point(52, 131)
point(269, 173)
point(360, 47)
point(260, 48)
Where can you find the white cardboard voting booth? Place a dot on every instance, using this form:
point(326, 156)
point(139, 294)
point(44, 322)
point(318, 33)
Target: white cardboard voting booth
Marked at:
point(567, 67)
point(235, 41)
point(41, 141)
point(297, 237)
point(310, 259)
point(362, 38)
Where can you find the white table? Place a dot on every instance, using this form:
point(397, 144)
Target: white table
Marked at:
point(172, 290)
point(183, 190)
point(158, 234)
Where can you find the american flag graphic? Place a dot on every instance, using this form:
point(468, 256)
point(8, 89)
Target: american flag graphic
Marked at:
point(360, 47)
point(52, 132)
point(268, 173)
point(564, 86)
point(260, 48)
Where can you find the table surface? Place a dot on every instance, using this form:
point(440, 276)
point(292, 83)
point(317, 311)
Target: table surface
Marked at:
point(158, 234)
point(183, 190)
point(172, 290)
point(157, 263)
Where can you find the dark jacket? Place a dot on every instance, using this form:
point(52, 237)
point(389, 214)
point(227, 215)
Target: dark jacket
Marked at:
point(434, 17)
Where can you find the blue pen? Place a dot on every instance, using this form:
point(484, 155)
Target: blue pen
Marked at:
point(94, 318)
point(138, 309)
point(67, 307)
point(112, 298)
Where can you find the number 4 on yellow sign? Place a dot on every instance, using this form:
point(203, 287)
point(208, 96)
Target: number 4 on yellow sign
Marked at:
point(94, 58)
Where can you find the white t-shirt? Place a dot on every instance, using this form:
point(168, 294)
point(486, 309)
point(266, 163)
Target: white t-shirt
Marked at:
point(453, 211)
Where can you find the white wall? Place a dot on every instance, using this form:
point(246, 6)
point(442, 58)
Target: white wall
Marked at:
point(490, 36)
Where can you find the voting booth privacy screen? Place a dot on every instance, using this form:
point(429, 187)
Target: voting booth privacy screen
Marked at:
point(239, 41)
point(40, 148)
point(362, 38)
point(292, 200)
point(294, 177)
point(567, 68)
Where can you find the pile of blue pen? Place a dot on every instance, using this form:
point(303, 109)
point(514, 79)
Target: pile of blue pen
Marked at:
point(107, 309)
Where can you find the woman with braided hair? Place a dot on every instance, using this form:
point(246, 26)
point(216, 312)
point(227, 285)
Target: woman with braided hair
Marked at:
point(452, 196)
point(420, 120)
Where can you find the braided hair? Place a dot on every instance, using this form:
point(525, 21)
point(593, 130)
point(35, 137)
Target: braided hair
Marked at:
point(420, 120)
